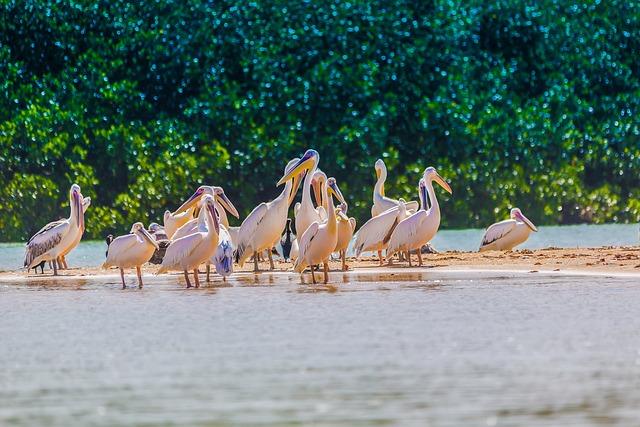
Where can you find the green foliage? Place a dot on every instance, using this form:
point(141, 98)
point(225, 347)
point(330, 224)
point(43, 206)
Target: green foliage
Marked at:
point(533, 104)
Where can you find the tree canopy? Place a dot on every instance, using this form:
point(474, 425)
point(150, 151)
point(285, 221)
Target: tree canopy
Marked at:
point(516, 103)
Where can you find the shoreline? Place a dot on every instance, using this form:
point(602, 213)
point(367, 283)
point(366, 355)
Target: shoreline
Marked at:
point(604, 261)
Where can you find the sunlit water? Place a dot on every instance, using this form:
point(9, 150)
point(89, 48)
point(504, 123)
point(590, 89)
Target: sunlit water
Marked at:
point(441, 349)
point(90, 254)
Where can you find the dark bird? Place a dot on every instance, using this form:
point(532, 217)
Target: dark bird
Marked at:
point(286, 240)
point(157, 231)
point(109, 239)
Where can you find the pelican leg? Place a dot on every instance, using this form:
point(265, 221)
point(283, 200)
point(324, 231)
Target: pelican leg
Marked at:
point(326, 271)
point(271, 267)
point(343, 255)
point(208, 272)
point(195, 276)
point(380, 256)
point(55, 268)
point(139, 277)
point(124, 286)
point(409, 257)
point(64, 262)
point(313, 276)
point(255, 262)
point(420, 257)
point(186, 277)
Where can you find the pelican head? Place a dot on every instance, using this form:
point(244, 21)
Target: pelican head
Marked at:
point(307, 162)
point(76, 204)
point(430, 174)
point(333, 189)
point(217, 192)
point(154, 227)
point(317, 181)
point(517, 214)
point(138, 229)
point(380, 168)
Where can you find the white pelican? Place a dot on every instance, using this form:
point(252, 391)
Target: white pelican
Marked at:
point(380, 202)
point(507, 234)
point(52, 239)
point(318, 242)
point(131, 250)
point(86, 202)
point(419, 228)
point(191, 226)
point(374, 235)
point(346, 228)
point(187, 253)
point(174, 221)
point(263, 227)
point(305, 212)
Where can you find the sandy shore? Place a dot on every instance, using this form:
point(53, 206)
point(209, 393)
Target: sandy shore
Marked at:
point(606, 260)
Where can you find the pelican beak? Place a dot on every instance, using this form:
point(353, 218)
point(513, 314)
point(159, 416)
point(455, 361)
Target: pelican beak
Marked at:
point(317, 191)
point(378, 173)
point(149, 237)
point(294, 188)
point(226, 203)
point(333, 187)
point(304, 164)
point(77, 201)
point(442, 183)
point(212, 210)
point(423, 194)
point(195, 197)
point(526, 220)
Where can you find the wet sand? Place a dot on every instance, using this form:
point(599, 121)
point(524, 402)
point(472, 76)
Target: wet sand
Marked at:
point(623, 261)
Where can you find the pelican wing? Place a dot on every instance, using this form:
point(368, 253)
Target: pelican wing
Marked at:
point(406, 231)
point(376, 231)
point(497, 231)
point(44, 240)
point(119, 247)
point(305, 243)
point(180, 249)
point(248, 229)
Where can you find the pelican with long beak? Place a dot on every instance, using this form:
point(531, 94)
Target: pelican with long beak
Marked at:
point(507, 234)
point(263, 227)
point(374, 235)
point(381, 202)
point(187, 253)
point(305, 213)
point(419, 228)
point(50, 242)
point(62, 261)
point(319, 241)
point(131, 250)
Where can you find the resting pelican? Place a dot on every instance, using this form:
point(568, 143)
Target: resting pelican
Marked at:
point(306, 213)
point(174, 221)
point(374, 235)
point(62, 261)
point(507, 234)
point(346, 227)
point(131, 250)
point(318, 242)
point(191, 226)
point(419, 228)
point(263, 227)
point(380, 202)
point(52, 239)
point(187, 253)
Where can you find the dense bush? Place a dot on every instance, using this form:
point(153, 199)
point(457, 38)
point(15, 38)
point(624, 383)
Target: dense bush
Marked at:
point(532, 104)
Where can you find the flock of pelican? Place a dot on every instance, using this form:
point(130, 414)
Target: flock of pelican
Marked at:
point(198, 232)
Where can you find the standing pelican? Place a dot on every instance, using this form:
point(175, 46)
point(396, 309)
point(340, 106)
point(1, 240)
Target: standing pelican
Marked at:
point(172, 222)
point(346, 227)
point(187, 253)
point(374, 235)
point(318, 242)
point(507, 234)
point(263, 227)
point(419, 228)
point(306, 213)
point(131, 250)
point(86, 202)
point(380, 202)
point(221, 198)
point(52, 239)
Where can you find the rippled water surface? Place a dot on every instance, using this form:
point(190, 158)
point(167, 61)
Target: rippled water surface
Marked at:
point(435, 348)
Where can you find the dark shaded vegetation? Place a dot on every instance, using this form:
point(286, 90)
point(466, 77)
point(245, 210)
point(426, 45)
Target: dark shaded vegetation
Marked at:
point(533, 104)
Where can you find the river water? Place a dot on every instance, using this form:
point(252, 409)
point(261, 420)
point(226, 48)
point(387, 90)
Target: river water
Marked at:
point(433, 348)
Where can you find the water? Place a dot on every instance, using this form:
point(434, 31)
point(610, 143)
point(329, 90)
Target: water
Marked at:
point(433, 348)
point(91, 254)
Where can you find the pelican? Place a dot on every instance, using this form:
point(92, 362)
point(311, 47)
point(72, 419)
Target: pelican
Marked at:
point(380, 202)
point(263, 227)
point(375, 233)
point(131, 250)
point(318, 242)
point(52, 239)
point(419, 228)
point(86, 202)
point(305, 212)
point(174, 221)
point(191, 226)
point(507, 234)
point(187, 253)
point(346, 227)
